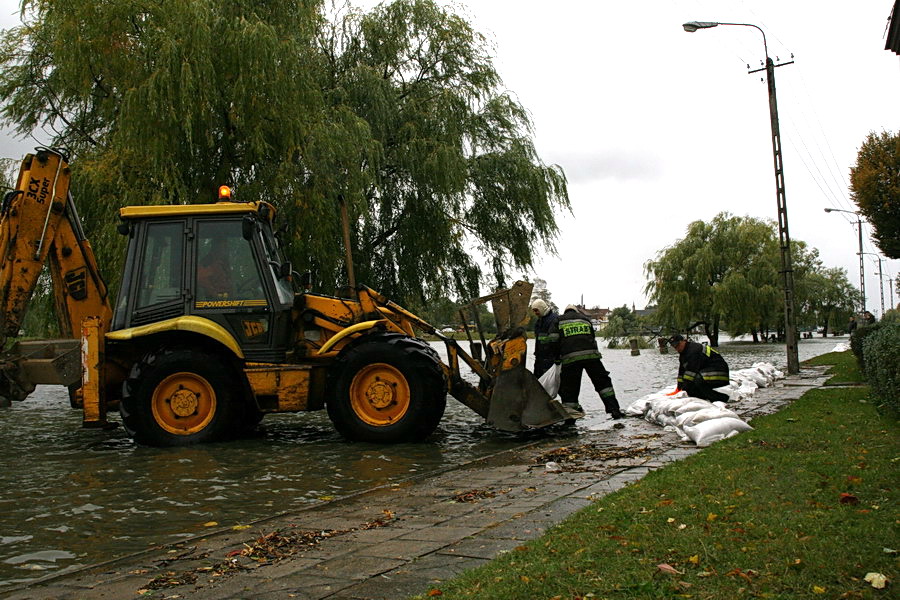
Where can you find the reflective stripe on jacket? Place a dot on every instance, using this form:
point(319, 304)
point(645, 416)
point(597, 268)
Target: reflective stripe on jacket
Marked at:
point(546, 336)
point(577, 340)
point(698, 360)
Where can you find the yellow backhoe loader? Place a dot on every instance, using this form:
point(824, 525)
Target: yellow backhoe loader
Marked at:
point(208, 333)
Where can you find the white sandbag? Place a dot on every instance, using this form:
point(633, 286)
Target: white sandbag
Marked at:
point(699, 416)
point(769, 368)
point(638, 408)
point(694, 405)
point(713, 430)
point(755, 376)
point(550, 380)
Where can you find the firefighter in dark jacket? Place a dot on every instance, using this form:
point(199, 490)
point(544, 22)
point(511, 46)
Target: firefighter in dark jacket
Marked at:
point(578, 352)
point(700, 370)
point(546, 337)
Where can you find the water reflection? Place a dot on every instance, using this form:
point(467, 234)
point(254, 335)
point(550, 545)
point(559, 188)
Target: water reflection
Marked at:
point(70, 496)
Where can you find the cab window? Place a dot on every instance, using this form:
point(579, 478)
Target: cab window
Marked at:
point(226, 269)
point(162, 264)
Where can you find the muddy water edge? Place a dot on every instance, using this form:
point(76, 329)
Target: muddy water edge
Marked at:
point(71, 497)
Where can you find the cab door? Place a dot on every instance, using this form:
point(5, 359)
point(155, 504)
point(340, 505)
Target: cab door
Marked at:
point(158, 289)
point(229, 287)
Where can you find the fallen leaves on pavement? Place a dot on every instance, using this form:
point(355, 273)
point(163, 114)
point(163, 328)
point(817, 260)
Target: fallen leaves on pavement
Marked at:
point(265, 549)
point(577, 458)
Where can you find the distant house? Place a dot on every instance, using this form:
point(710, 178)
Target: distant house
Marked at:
point(599, 316)
point(893, 33)
point(645, 312)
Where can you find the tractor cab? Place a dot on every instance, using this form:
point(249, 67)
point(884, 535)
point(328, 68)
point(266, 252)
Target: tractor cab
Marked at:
point(219, 262)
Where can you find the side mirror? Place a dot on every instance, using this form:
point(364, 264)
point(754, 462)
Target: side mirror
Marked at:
point(248, 228)
point(124, 228)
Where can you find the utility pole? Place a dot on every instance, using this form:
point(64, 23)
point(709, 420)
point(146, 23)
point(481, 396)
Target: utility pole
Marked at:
point(881, 285)
point(891, 290)
point(790, 318)
point(787, 270)
point(862, 268)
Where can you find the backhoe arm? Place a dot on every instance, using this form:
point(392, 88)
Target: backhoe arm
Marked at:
point(39, 224)
point(38, 221)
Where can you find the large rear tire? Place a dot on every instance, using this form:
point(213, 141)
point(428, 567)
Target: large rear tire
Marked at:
point(389, 389)
point(178, 397)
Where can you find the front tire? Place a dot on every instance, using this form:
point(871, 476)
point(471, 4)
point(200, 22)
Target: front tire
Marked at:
point(388, 390)
point(178, 397)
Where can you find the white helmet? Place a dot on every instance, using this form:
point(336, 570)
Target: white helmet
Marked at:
point(540, 306)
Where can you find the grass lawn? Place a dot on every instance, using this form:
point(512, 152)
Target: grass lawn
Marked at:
point(844, 368)
point(803, 506)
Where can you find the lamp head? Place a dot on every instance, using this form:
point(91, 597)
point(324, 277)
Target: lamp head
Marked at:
point(692, 26)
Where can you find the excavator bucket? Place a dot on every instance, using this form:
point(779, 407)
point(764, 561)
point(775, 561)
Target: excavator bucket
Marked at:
point(520, 402)
point(510, 306)
point(509, 397)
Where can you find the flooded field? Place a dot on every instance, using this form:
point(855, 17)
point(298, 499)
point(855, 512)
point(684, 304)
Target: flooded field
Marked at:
point(71, 497)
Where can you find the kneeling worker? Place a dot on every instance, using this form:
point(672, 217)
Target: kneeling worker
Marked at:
point(578, 352)
point(700, 370)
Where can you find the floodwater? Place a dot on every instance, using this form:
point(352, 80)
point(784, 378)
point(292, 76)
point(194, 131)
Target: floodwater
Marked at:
point(71, 497)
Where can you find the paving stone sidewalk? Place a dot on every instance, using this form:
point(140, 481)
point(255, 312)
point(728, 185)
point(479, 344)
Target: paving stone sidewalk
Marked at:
point(400, 540)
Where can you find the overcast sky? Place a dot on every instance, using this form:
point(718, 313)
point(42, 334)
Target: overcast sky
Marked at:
point(656, 127)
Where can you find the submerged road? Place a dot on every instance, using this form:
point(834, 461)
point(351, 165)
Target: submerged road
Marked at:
point(405, 537)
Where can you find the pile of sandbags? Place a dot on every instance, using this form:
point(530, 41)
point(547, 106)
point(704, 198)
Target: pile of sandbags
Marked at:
point(701, 421)
point(842, 347)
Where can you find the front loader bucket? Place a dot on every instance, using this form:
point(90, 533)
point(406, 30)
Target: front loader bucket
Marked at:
point(520, 402)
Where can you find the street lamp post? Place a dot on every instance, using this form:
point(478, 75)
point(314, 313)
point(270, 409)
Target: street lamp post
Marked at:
point(862, 267)
point(787, 271)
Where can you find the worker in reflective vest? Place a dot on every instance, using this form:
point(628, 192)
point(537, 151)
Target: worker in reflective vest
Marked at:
point(701, 370)
point(578, 352)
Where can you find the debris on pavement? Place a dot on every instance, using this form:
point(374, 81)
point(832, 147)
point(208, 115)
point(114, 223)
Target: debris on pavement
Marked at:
point(266, 549)
point(584, 457)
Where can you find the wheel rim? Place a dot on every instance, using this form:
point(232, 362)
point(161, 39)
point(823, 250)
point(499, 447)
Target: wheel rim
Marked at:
point(379, 394)
point(184, 403)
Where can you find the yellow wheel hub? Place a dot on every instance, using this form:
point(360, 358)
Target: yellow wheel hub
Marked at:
point(184, 403)
point(379, 394)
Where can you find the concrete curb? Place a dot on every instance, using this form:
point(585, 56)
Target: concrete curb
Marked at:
point(437, 525)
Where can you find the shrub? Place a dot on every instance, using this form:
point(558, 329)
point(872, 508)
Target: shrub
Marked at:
point(891, 315)
point(858, 339)
point(881, 352)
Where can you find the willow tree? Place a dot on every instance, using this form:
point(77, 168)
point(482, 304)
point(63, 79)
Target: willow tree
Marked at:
point(724, 269)
point(163, 102)
point(396, 112)
point(450, 179)
point(827, 298)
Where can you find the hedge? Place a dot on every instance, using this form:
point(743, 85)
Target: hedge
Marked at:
point(857, 340)
point(881, 352)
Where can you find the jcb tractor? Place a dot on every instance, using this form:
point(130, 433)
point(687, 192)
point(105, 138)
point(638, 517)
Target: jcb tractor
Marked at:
point(208, 333)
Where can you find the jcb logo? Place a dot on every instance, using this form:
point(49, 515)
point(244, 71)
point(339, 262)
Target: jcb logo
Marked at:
point(39, 189)
point(76, 283)
point(253, 328)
